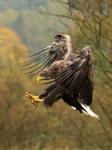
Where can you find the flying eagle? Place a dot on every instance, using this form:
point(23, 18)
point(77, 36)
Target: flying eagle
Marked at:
point(72, 73)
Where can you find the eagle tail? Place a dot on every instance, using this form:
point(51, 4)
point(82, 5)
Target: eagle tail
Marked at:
point(89, 111)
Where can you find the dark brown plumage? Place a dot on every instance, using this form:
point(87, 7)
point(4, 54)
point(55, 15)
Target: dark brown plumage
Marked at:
point(72, 76)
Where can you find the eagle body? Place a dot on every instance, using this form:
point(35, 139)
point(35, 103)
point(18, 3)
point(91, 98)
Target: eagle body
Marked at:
point(72, 74)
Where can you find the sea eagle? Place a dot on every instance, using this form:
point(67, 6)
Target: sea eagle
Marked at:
point(72, 76)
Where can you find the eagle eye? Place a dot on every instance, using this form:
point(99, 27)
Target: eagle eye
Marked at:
point(59, 36)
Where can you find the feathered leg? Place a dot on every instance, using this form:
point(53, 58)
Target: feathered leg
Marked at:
point(47, 90)
point(53, 96)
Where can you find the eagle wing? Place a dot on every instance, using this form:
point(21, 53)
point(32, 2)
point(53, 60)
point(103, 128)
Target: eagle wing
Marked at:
point(77, 79)
point(44, 58)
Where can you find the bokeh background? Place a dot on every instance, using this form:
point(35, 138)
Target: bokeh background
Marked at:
point(28, 25)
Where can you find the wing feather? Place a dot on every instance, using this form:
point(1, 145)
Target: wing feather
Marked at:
point(39, 60)
point(76, 78)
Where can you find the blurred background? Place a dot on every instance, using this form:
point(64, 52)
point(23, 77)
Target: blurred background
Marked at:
point(28, 25)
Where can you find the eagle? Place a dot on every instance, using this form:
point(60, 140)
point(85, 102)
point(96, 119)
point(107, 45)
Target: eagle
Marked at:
point(71, 74)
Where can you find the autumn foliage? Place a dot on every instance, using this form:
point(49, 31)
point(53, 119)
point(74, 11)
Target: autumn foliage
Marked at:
point(24, 127)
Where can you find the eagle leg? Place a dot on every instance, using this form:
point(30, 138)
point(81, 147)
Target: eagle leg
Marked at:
point(34, 99)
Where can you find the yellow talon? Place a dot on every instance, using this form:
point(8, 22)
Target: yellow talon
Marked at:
point(34, 99)
point(39, 79)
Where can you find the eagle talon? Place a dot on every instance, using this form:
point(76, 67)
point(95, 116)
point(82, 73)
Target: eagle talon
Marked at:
point(34, 99)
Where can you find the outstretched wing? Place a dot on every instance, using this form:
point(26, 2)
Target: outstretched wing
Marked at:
point(77, 80)
point(44, 58)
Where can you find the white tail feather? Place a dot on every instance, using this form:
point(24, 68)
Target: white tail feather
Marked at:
point(82, 110)
point(73, 107)
point(89, 111)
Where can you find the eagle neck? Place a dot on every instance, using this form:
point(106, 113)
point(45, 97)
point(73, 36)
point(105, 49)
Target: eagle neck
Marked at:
point(69, 44)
